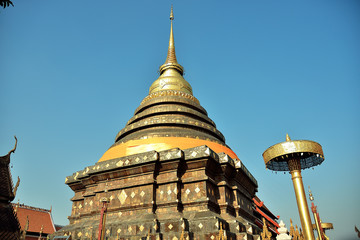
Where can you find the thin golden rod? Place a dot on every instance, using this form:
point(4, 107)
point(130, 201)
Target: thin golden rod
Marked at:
point(318, 227)
point(313, 209)
point(295, 171)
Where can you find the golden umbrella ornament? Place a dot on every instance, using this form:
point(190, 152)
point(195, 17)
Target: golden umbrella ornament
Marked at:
point(293, 156)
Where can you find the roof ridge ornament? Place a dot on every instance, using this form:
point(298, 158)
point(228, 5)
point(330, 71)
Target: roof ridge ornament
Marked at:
point(13, 150)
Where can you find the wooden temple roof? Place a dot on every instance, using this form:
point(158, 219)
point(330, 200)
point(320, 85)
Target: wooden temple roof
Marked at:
point(38, 218)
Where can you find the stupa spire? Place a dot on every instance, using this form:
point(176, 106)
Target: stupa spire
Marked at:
point(171, 72)
point(171, 61)
point(171, 57)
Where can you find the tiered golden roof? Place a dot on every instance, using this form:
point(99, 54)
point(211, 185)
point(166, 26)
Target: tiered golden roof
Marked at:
point(169, 117)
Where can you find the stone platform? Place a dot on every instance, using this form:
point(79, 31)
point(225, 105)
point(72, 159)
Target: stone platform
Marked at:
point(162, 195)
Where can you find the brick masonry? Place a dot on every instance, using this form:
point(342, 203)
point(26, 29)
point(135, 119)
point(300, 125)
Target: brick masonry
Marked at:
point(160, 195)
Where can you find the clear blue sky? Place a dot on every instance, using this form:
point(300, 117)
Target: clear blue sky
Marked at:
point(73, 72)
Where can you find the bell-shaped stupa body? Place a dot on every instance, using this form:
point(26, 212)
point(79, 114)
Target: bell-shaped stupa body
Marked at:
point(170, 116)
point(169, 174)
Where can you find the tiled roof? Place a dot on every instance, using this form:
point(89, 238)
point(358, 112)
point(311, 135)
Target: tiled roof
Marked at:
point(37, 217)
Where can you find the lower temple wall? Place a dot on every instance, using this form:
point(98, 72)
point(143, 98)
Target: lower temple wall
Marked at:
point(190, 194)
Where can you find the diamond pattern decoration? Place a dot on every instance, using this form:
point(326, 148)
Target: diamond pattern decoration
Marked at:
point(168, 155)
point(207, 151)
point(80, 206)
point(122, 197)
point(200, 225)
point(91, 202)
point(170, 226)
point(237, 227)
point(175, 190)
point(141, 228)
point(212, 237)
point(119, 230)
point(197, 189)
point(193, 154)
point(120, 213)
point(142, 193)
point(126, 162)
point(137, 159)
point(145, 157)
point(169, 192)
point(187, 191)
point(120, 163)
point(161, 192)
point(132, 195)
point(79, 234)
point(129, 228)
point(155, 227)
point(107, 232)
point(217, 224)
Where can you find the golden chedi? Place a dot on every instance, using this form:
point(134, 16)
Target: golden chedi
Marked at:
point(168, 175)
point(170, 116)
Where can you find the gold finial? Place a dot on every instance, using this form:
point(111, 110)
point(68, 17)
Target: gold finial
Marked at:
point(171, 57)
point(288, 139)
point(171, 14)
point(171, 72)
point(222, 234)
point(265, 235)
point(297, 233)
point(310, 195)
point(301, 235)
point(292, 230)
